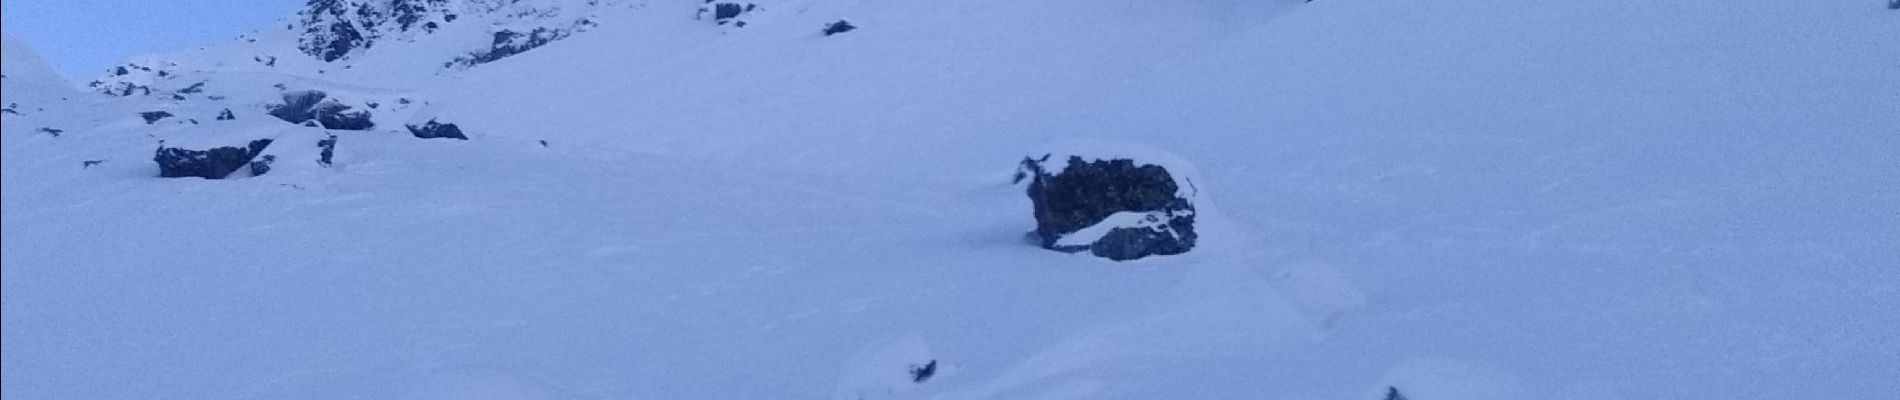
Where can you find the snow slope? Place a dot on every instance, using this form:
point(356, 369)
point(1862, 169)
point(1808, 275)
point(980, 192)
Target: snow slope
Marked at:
point(1465, 199)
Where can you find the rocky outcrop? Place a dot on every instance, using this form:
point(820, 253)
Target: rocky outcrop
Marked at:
point(726, 12)
point(1115, 208)
point(336, 29)
point(509, 42)
point(433, 129)
point(215, 163)
point(135, 78)
point(301, 107)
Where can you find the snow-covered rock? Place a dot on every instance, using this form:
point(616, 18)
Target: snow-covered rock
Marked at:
point(211, 163)
point(433, 129)
point(1116, 208)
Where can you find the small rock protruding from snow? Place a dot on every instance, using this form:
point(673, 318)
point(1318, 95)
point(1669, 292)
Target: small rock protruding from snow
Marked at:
point(226, 115)
point(433, 129)
point(215, 163)
point(1116, 208)
point(726, 12)
point(327, 150)
point(889, 369)
point(841, 26)
point(152, 117)
point(921, 373)
point(1392, 393)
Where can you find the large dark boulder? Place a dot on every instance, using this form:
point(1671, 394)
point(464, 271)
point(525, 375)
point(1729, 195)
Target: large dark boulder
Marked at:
point(215, 163)
point(300, 107)
point(433, 129)
point(1118, 209)
point(297, 106)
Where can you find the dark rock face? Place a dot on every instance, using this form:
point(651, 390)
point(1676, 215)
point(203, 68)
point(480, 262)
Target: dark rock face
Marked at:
point(726, 12)
point(261, 165)
point(327, 149)
point(298, 106)
point(509, 42)
point(343, 119)
point(433, 129)
point(226, 115)
point(216, 163)
point(841, 26)
point(51, 131)
point(335, 29)
point(1076, 196)
point(921, 373)
point(302, 107)
point(152, 117)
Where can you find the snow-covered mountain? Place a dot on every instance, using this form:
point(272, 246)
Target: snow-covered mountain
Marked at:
point(1454, 199)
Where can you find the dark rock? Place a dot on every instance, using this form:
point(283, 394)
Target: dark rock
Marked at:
point(152, 117)
point(302, 107)
point(90, 163)
point(841, 26)
point(1392, 393)
point(1074, 195)
point(433, 129)
point(341, 119)
point(919, 374)
point(328, 150)
point(194, 88)
point(544, 143)
point(51, 131)
point(297, 106)
point(726, 12)
point(261, 165)
point(509, 43)
point(226, 115)
point(329, 32)
point(216, 163)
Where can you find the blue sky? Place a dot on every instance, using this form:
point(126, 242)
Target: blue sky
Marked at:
point(81, 38)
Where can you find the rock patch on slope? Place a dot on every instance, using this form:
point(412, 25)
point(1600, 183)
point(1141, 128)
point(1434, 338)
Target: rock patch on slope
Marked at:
point(213, 163)
point(1116, 208)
